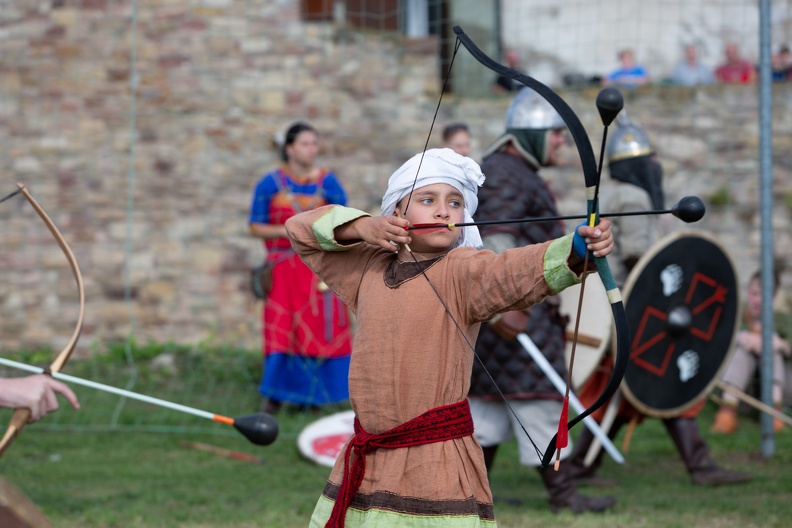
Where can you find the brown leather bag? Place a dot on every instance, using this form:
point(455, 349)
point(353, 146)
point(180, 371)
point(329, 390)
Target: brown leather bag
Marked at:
point(261, 279)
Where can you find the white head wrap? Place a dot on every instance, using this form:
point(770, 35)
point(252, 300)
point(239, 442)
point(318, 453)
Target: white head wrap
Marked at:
point(439, 166)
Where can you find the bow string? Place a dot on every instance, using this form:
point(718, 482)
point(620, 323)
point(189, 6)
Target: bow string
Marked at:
point(22, 416)
point(592, 180)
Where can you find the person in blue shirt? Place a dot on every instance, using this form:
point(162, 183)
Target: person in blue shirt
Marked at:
point(690, 71)
point(629, 74)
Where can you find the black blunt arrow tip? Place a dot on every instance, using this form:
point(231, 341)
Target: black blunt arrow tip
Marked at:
point(689, 209)
point(259, 428)
point(609, 103)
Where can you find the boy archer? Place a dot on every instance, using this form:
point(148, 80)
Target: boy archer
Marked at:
point(413, 455)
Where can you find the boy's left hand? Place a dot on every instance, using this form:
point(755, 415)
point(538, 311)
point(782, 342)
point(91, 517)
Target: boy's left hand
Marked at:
point(599, 239)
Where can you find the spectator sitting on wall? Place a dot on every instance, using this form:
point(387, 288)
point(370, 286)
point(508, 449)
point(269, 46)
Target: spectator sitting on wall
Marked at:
point(503, 83)
point(782, 64)
point(629, 74)
point(690, 72)
point(735, 70)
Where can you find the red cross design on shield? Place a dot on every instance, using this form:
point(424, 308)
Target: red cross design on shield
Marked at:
point(642, 344)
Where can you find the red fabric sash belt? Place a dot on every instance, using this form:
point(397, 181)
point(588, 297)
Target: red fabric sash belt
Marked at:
point(435, 425)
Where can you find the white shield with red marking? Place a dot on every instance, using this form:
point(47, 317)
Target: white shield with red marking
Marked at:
point(322, 441)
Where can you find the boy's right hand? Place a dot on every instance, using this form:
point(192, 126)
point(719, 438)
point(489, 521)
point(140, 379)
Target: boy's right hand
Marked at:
point(387, 232)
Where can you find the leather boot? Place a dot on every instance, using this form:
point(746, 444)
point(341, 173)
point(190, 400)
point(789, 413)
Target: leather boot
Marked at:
point(562, 493)
point(695, 454)
point(583, 474)
point(489, 461)
point(270, 406)
point(489, 456)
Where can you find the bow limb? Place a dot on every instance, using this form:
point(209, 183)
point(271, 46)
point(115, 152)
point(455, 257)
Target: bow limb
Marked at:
point(22, 416)
point(591, 175)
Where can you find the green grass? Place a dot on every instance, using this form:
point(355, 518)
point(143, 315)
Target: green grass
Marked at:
point(80, 474)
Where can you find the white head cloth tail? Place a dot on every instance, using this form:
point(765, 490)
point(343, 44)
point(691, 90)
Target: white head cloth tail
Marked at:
point(439, 166)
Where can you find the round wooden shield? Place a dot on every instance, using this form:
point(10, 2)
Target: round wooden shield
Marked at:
point(594, 333)
point(682, 303)
point(322, 441)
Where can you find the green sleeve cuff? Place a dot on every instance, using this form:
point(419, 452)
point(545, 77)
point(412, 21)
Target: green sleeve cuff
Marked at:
point(556, 270)
point(324, 228)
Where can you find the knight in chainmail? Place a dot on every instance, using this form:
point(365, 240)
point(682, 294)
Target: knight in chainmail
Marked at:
point(514, 189)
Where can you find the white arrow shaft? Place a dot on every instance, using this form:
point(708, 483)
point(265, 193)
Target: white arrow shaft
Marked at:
point(107, 388)
point(560, 385)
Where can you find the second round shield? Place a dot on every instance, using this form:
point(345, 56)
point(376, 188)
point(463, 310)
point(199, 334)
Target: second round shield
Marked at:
point(682, 304)
point(594, 332)
point(323, 440)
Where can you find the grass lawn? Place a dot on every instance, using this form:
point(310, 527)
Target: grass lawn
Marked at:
point(88, 475)
point(123, 479)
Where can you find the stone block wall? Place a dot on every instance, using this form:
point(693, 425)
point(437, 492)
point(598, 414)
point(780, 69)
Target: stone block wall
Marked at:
point(152, 191)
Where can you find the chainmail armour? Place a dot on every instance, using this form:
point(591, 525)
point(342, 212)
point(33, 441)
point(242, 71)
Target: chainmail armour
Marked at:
point(515, 190)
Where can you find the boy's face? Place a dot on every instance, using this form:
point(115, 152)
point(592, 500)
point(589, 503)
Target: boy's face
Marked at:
point(436, 203)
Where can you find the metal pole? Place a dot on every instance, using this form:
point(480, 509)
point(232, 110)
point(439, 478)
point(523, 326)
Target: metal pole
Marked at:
point(498, 29)
point(766, 205)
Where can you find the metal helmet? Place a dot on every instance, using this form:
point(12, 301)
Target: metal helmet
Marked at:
point(529, 110)
point(629, 141)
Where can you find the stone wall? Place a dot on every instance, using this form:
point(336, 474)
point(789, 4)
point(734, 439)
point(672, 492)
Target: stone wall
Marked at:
point(152, 191)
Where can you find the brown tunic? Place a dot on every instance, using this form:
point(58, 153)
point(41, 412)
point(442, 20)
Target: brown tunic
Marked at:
point(409, 356)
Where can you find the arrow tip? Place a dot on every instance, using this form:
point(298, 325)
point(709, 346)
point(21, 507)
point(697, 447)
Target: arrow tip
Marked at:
point(609, 103)
point(259, 428)
point(689, 209)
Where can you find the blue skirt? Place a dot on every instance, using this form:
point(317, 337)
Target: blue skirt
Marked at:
point(305, 380)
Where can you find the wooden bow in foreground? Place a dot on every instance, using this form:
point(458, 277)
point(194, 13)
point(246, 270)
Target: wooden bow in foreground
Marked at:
point(22, 416)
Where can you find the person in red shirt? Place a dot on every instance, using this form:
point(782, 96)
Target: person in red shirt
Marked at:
point(735, 70)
